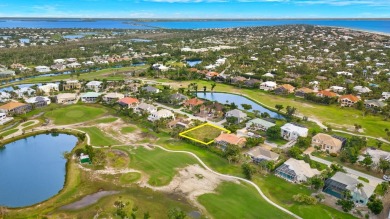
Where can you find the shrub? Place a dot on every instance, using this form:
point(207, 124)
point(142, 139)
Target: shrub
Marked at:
point(333, 154)
point(305, 199)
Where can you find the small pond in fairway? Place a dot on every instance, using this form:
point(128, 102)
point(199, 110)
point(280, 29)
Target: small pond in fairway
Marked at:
point(33, 169)
point(238, 100)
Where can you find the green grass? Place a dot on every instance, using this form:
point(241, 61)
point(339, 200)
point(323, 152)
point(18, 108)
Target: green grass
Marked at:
point(106, 120)
point(233, 200)
point(98, 138)
point(27, 123)
point(205, 133)
point(159, 165)
point(74, 114)
point(129, 177)
point(282, 192)
point(128, 129)
point(9, 132)
point(363, 179)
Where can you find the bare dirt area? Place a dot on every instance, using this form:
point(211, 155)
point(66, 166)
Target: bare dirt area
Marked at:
point(114, 131)
point(191, 182)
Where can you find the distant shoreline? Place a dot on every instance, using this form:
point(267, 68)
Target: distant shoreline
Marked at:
point(190, 19)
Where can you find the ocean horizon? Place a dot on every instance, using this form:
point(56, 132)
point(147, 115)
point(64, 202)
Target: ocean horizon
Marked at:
point(371, 25)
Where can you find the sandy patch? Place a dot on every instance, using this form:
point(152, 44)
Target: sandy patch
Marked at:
point(192, 182)
point(113, 130)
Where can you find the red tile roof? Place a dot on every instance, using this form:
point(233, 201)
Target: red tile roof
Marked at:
point(193, 102)
point(230, 138)
point(327, 93)
point(350, 97)
point(128, 100)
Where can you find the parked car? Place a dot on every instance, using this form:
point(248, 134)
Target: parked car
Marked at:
point(387, 178)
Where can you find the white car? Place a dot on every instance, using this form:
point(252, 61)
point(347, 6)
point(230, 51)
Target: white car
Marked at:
point(387, 178)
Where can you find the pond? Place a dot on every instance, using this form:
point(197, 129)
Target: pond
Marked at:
point(192, 63)
point(33, 169)
point(238, 100)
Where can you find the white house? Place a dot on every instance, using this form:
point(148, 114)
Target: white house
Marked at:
point(291, 131)
point(59, 61)
point(49, 87)
point(4, 119)
point(163, 113)
point(39, 101)
point(112, 97)
point(337, 89)
point(94, 85)
point(385, 95)
point(361, 89)
point(344, 73)
point(42, 69)
point(268, 75)
point(296, 171)
point(74, 65)
point(238, 114)
point(268, 85)
point(144, 107)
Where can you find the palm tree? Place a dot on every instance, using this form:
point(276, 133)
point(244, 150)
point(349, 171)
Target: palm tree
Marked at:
point(213, 86)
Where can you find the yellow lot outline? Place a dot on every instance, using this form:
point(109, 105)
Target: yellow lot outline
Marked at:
point(182, 134)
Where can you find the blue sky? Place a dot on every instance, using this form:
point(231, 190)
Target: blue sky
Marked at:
point(196, 8)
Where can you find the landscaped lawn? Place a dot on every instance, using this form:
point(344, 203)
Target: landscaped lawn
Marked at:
point(27, 123)
point(204, 133)
point(161, 166)
point(106, 120)
point(8, 132)
point(74, 114)
point(233, 200)
point(98, 138)
point(282, 192)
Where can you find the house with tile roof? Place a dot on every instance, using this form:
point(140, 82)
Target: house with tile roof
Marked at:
point(224, 139)
point(258, 154)
point(327, 143)
point(348, 100)
point(15, 108)
point(128, 102)
point(326, 93)
point(284, 89)
point(192, 103)
point(302, 92)
point(66, 98)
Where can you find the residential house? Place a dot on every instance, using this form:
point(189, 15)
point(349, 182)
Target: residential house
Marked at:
point(66, 98)
point(252, 83)
point(258, 154)
point(161, 114)
point(341, 182)
point(42, 69)
point(302, 92)
point(374, 104)
point(348, 100)
point(210, 75)
point(58, 67)
point(49, 87)
point(191, 103)
point(385, 95)
point(14, 108)
point(295, 171)
point(224, 139)
point(238, 114)
point(327, 143)
point(213, 109)
point(74, 65)
point(112, 97)
point(268, 75)
point(268, 85)
point(325, 93)
point(7, 73)
point(259, 124)
point(362, 90)
point(178, 98)
point(238, 80)
point(337, 89)
point(24, 91)
point(151, 89)
point(89, 97)
point(291, 132)
point(71, 85)
point(134, 87)
point(4, 118)
point(4, 96)
point(144, 107)
point(128, 102)
point(39, 101)
point(94, 85)
point(284, 89)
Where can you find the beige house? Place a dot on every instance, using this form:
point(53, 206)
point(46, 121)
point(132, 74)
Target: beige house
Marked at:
point(327, 143)
point(71, 85)
point(66, 98)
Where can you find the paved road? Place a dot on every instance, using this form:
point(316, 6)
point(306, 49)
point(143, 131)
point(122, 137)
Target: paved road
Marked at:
point(373, 180)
